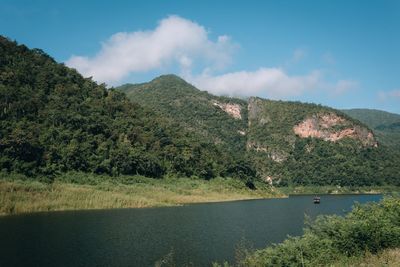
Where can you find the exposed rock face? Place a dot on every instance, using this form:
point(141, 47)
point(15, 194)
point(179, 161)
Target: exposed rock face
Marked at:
point(254, 108)
point(331, 127)
point(234, 110)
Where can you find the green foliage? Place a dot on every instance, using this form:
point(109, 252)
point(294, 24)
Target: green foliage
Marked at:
point(313, 161)
point(368, 228)
point(194, 110)
point(269, 126)
point(53, 121)
point(78, 190)
point(341, 164)
point(385, 125)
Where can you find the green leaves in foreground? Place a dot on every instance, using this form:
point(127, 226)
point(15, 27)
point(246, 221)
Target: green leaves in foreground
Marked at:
point(369, 228)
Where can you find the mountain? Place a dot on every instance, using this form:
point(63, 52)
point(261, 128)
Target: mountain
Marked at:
point(220, 120)
point(385, 125)
point(52, 120)
point(287, 142)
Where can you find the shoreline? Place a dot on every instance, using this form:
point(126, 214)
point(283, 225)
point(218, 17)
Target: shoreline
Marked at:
point(23, 197)
point(18, 197)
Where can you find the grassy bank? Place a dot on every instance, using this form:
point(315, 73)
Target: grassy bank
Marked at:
point(73, 191)
point(81, 191)
point(367, 236)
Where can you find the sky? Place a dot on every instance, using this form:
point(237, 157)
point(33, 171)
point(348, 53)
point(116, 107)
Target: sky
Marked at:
point(342, 53)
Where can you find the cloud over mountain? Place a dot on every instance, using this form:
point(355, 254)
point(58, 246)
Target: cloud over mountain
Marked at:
point(272, 82)
point(174, 40)
point(179, 43)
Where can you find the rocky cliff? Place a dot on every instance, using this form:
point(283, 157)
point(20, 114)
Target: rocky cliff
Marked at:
point(331, 127)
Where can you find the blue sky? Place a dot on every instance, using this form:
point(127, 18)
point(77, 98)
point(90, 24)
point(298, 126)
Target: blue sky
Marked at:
point(343, 54)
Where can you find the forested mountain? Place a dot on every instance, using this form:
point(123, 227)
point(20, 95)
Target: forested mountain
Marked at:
point(386, 125)
point(52, 120)
point(219, 120)
point(287, 142)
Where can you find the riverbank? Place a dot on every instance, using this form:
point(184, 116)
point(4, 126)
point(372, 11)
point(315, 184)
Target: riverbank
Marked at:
point(330, 189)
point(77, 191)
point(369, 235)
point(23, 196)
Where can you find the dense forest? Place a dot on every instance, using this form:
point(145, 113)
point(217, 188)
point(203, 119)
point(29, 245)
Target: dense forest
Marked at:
point(195, 110)
point(264, 135)
point(314, 161)
point(53, 121)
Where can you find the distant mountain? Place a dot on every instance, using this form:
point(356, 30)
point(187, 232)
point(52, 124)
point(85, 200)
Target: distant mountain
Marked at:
point(385, 125)
point(287, 142)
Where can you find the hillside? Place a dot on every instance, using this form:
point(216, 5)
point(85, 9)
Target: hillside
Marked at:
point(53, 121)
point(220, 120)
point(287, 142)
point(309, 144)
point(385, 125)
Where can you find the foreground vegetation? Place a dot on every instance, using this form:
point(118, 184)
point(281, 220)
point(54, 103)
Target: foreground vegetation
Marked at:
point(75, 191)
point(367, 236)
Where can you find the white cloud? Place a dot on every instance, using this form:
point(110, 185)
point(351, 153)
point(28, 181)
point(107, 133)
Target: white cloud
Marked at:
point(270, 82)
point(174, 40)
point(343, 86)
point(273, 83)
point(178, 42)
point(389, 95)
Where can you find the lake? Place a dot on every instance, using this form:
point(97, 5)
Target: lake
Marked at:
point(196, 234)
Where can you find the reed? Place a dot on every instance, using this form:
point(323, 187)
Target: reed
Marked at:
point(22, 196)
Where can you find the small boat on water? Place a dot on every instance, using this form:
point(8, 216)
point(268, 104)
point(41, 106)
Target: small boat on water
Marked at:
point(317, 200)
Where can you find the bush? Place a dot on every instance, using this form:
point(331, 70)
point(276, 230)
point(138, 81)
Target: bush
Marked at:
point(369, 228)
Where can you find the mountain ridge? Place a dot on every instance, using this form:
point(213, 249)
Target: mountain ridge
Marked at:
point(385, 124)
point(268, 131)
point(55, 121)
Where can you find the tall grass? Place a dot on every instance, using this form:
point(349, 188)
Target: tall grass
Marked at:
point(81, 191)
point(75, 190)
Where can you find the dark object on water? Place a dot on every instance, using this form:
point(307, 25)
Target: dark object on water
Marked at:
point(317, 200)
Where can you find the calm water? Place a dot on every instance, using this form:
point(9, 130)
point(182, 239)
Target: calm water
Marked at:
point(197, 234)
